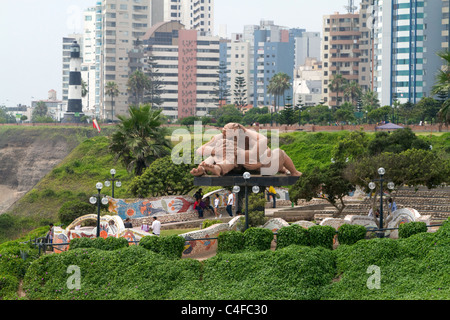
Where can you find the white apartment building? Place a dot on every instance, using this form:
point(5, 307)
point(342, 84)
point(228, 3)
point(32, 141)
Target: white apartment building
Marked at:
point(238, 61)
point(88, 67)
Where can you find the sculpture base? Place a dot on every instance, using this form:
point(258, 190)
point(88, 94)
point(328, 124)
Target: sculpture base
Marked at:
point(72, 117)
point(238, 180)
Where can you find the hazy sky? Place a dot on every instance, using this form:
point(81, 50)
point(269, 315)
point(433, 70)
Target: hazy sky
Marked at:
point(31, 34)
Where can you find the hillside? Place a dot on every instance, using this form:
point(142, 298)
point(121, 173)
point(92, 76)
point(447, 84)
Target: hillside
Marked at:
point(27, 154)
point(48, 166)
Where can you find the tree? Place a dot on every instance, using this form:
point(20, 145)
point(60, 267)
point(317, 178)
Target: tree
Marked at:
point(278, 85)
point(442, 87)
point(221, 91)
point(5, 117)
point(154, 91)
point(370, 100)
point(164, 178)
point(138, 85)
point(227, 114)
point(140, 139)
point(329, 183)
point(337, 85)
point(427, 109)
point(345, 113)
point(39, 114)
point(352, 91)
point(84, 88)
point(398, 141)
point(379, 114)
point(112, 90)
point(287, 115)
point(240, 90)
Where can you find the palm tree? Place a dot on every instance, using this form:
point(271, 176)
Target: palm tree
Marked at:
point(352, 91)
point(138, 84)
point(278, 85)
point(140, 139)
point(442, 87)
point(112, 90)
point(337, 85)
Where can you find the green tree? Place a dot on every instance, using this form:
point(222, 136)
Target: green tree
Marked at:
point(398, 141)
point(221, 91)
point(330, 182)
point(442, 87)
point(163, 178)
point(352, 91)
point(112, 90)
point(278, 85)
point(240, 90)
point(379, 114)
point(370, 100)
point(39, 113)
point(227, 114)
point(337, 85)
point(155, 88)
point(5, 117)
point(140, 139)
point(138, 85)
point(287, 115)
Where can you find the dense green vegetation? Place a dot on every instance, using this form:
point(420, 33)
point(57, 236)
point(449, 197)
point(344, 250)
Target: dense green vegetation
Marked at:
point(417, 267)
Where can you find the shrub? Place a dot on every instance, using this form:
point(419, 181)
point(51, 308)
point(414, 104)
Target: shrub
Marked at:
point(171, 246)
point(71, 210)
point(150, 243)
point(321, 236)
point(230, 242)
point(351, 233)
point(209, 222)
point(258, 239)
point(8, 286)
point(294, 234)
point(406, 230)
point(108, 244)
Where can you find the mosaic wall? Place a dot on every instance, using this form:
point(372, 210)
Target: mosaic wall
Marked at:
point(141, 208)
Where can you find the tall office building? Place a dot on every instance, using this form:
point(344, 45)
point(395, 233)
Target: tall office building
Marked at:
point(408, 36)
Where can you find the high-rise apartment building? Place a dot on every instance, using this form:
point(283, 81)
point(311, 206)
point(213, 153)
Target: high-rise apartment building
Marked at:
point(408, 36)
point(88, 67)
point(188, 65)
point(193, 14)
point(445, 24)
point(341, 54)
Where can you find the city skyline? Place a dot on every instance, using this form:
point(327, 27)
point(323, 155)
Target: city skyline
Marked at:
point(31, 59)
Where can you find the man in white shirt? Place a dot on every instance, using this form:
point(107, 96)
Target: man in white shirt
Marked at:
point(230, 203)
point(156, 226)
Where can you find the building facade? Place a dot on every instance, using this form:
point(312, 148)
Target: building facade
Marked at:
point(408, 36)
point(188, 64)
point(341, 54)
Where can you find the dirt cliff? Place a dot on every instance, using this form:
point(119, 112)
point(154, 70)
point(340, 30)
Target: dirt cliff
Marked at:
point(27, 154)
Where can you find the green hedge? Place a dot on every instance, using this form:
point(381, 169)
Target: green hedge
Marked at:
point(257, 239)
point(406, 230)
point(170, 246)
point(110, 243)
point(322, 236)
point(230, 242)
point(351, 233)
point(293, 234)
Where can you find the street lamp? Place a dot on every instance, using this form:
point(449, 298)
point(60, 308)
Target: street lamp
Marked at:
point(117, 181)
point(96, 199)
point(255, 189)
point(372, 186)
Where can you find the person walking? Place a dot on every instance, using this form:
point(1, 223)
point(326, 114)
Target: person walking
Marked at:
point(216, 206)
point(230, 203)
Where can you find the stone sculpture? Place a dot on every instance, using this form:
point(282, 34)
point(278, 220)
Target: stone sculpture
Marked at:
point(240, 148)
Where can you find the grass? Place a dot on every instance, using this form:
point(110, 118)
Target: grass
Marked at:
point(171, 232)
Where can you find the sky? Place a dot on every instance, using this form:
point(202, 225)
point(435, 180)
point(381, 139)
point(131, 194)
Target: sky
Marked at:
point(31, 33)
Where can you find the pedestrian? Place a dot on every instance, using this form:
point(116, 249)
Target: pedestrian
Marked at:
point(206, 205)
point(272, 195)
point(156, 227)
point(199, 208)
point(392, 205)
point(127, 223)
point(49, 236)
point(230, 203)
point(216, 206)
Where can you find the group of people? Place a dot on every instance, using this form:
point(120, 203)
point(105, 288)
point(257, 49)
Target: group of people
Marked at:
point(156, 226)
point(392, 207)
point(204, 203)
